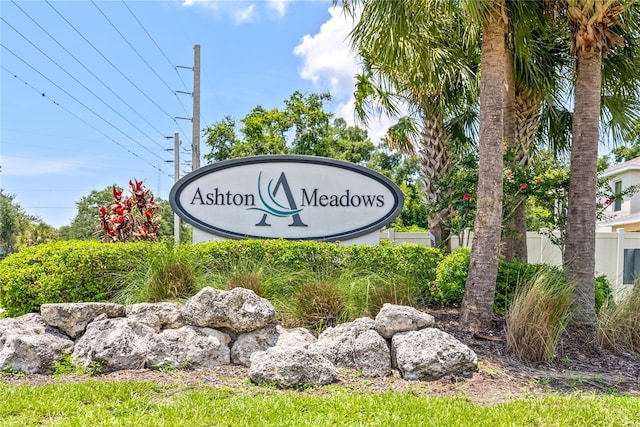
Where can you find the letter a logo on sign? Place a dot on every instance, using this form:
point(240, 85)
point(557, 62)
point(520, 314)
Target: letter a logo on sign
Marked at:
point(276, 208)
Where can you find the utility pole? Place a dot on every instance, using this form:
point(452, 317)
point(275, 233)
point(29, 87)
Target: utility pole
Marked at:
point(195, 142)
point(176, 177)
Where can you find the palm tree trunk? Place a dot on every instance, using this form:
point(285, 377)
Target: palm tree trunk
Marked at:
point(514, 233)
point(477, 305)
point(435, 160)
point(527, 122)
point(579, 255)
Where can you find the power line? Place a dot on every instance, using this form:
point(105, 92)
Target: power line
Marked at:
point(155, 43)
point(81, 84)
point(73, 114)
point(88, 70)
point(139, 55)
point(116, 68)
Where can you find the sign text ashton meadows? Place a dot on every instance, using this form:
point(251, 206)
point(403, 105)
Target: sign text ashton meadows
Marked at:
point(291, 197)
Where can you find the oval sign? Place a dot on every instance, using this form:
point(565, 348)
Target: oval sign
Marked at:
point(286, 196)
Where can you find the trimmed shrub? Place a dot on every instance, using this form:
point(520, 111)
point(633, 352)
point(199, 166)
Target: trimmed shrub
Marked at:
point(64, 271)
point(451, 276)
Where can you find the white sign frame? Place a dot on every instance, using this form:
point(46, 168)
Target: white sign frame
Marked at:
point(291, 197)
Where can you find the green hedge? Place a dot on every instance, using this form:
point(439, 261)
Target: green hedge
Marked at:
point(451, 277)
point(65, 271)
point(74, 271)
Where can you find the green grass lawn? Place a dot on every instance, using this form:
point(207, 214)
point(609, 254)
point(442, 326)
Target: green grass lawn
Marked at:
point(100, 403)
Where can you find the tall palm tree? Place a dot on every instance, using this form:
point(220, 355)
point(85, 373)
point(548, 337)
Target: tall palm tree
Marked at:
point(433, 76)
point(477, 305)
point(598, 30)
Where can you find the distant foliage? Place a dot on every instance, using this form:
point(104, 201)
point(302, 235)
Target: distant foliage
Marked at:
point(129, 219)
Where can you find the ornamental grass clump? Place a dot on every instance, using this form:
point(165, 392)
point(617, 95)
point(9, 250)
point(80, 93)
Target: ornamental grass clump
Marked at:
point(537, 316)
point(618, 326)
point(319, 304)
point(169, 273)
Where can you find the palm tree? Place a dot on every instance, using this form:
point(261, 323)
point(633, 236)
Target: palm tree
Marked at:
point(598, 30)
point(433, 76)
point(477, 305)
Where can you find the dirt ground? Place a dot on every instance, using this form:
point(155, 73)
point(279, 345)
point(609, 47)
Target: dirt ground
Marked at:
point(579, 367)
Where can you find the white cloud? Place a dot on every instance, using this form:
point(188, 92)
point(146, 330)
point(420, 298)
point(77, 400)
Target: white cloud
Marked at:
point(245, 15)
point(329, 63)
point(279, 6)
point(242, 12)
point(327, 55)
point(27, 166)
point(207, 4)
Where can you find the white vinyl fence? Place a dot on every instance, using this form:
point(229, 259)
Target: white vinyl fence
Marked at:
point(617, 253)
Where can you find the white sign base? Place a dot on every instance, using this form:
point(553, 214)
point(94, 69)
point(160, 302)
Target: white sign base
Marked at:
point(367, 239)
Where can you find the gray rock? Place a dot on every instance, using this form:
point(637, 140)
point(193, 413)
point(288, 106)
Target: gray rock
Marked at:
point(188, 347)
point(248, 343)
point(430, 354)
point(371, 354)
point(399, 318)
point(116, 344)
point(289, 367)
point(73, 318)
point(27, 344)
point(355, 345)
point(296, 337)
point(158, 316)
point(239, 309)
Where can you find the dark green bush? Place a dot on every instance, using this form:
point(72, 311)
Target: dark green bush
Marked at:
point(451, 276)
point(603, 292)
point(64, 271)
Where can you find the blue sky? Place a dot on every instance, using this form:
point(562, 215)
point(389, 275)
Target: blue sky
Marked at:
point(88, 89)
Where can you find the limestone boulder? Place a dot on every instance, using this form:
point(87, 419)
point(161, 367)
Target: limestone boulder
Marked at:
point(355, 345)
point(73, 318)
point(289, 367)
point(158, 316)
point(239, 309)
point(250, 342)
point(188, 347)
point(115, 344)
point(430, 354)
point(392, 319)
point(29, 345)
point(296, 337)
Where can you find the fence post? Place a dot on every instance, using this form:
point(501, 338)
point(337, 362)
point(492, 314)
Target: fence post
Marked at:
point(544, 241)
point(391, 232)
point(619, 284)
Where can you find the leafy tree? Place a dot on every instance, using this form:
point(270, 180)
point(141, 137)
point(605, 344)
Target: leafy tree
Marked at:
point(11, 223)
point(165, 223)
point(626, 153)
point(83, 226)
point(302, 127)
point(18, 229)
